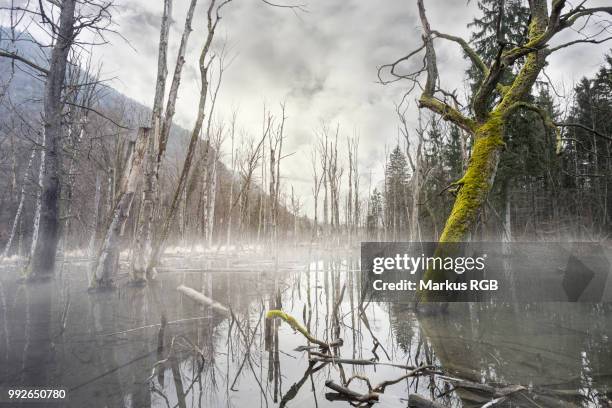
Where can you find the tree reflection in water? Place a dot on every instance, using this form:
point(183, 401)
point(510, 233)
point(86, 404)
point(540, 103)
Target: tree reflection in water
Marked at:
point(153, 347)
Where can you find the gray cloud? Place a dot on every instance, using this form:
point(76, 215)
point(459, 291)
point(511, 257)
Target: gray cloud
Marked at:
point(322, 63)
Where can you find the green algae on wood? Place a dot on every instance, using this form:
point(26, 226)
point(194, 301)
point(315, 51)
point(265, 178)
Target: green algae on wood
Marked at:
point(295, 325)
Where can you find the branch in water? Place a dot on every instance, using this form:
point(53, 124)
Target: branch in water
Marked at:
point(291, 321)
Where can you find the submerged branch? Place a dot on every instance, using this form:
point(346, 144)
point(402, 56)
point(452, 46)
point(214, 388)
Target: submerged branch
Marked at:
point(200, 298)
point(295, 325)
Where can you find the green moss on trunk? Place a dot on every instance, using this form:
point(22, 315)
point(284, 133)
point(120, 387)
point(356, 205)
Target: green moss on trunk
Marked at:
point(474, 188)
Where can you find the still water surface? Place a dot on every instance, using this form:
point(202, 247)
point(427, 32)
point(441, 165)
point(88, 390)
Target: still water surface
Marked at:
point(106, 349)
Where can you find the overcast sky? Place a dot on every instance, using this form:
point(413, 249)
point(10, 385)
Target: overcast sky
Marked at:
point(321, 63)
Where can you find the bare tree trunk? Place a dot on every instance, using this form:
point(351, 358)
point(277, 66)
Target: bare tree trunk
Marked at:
point(209, 189)
point(356, 209)
point(279, 143)
point(174, 86)
point(93, 232)
point(333, 175)
point(105, 267)
point(69, 187)
point(42, 262)
point(507, 236)
point(213, 19)
point(110, 195)
point(324, 165)
point(13, 170)
point(228, 234)
point(273, 198)
point(415, 182)
point(17, 218)
point(315, 192)
point(210, 204)
point(261, 211)
point(162, 69)
point(37, 209)
point(349, 202)
point(143, 236)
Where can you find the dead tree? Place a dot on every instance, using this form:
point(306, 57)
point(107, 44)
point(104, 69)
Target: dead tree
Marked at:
point(352, 202)
point(161, 122)
point(276, 147)
point(80, 96)
point(356, 203)
point(250, 162)
point(213, 18)
point(261, 217)
point(296, 207)
point(212, 186)
point(323, 147)
point(94, 223)
point(485, 121)
point(349, 199)
point(161, 127)
point(17, 218)
point(316, 189)
point(272, 193)
point(162, 68)
point(212, 142)
point(334, 174)
point(65, 21)
point(142, 236)
point(228, 234)
point(105, 267)
point(415, 160)
point(38, 203)
point(44, 247)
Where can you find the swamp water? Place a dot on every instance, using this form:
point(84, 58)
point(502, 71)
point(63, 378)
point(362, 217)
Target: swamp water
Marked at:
point(105, 349)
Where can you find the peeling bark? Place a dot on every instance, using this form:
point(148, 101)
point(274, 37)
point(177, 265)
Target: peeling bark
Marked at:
point(44, 248)
point(105, 267)
point(143, 236)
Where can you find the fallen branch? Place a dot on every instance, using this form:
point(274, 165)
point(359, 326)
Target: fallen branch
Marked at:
point(469, 385)
point(325, 359)
point(295, 325)
point(200, 298)
point(497, 393)
point(374, 392)
point(417, 371)
point(350, 394)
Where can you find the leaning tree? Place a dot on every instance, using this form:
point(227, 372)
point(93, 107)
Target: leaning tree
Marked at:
point(494, 99)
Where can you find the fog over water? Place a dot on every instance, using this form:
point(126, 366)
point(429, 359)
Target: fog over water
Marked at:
point(106, 349)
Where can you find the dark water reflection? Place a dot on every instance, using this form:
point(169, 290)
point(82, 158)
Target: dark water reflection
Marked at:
point(106, 349)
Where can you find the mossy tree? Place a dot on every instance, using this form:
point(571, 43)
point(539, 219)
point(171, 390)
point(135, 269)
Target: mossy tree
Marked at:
point(494, 99)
